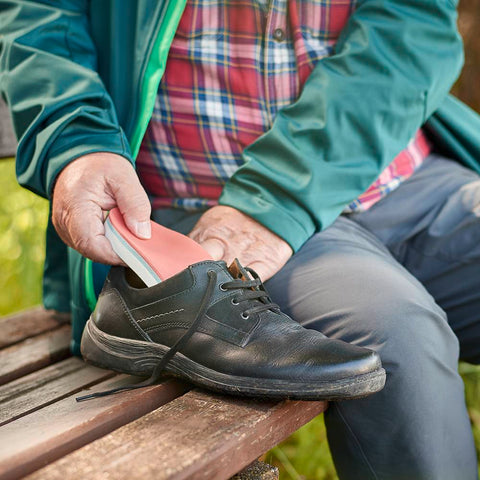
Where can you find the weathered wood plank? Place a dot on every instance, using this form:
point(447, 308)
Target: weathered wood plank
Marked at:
point(45, 435)
point(27, 324)
point(196, 436)
point(34, 353)
point(48, 385)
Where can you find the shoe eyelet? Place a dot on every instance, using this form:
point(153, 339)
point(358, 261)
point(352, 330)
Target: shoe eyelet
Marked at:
point(222, 288)
point(235, 301)
point(245, 316)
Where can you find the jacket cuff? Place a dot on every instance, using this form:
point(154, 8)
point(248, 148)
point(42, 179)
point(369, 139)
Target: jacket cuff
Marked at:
point(293, 224)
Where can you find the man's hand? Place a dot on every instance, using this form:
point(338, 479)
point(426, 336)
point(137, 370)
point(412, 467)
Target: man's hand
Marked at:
point(227, 233)
point(90, 186)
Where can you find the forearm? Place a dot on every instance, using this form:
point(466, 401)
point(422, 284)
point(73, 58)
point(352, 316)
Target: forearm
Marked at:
point(393, 65)
point(59, 106)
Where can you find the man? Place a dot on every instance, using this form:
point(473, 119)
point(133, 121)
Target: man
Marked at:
point(326, 133)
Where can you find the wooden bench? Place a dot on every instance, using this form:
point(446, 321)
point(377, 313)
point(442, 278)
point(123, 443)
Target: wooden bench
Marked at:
point(167, 431)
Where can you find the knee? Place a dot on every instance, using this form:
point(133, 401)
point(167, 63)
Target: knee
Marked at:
point(454, 235)
point(410, 332)
point(414, 341)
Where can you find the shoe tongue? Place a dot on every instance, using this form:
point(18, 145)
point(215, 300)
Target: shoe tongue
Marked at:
point(238, 272)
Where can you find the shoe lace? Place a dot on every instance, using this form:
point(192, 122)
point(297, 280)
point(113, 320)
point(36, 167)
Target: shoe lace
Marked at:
point(252, 290)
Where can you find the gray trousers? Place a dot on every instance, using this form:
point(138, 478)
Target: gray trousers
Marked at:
point(403, 279)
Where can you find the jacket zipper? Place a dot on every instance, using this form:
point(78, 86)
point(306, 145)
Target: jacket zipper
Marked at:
point(155, 67)
point(155, 64)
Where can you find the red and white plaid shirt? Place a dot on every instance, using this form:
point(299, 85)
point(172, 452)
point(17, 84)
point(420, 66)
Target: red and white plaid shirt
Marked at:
point(231, 68)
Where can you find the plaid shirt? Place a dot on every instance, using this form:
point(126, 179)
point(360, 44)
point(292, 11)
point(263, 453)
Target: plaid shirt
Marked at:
point(232, 66)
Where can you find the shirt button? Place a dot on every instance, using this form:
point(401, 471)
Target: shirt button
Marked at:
point(279, 35)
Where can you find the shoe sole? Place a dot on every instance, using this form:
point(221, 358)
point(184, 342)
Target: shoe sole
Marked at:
point(137, 357)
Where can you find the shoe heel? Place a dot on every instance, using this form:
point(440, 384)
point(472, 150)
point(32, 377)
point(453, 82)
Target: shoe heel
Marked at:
point(114, 353)
point(93, 352)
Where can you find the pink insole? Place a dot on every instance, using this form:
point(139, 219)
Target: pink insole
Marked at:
point(167, 252)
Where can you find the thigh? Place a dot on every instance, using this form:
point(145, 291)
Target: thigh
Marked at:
point(431, 224)
point(345, 283)
point(445, 257)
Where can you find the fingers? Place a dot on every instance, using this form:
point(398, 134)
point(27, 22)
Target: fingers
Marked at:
point(85, 190)
point(84, 231)
point(87, 233)
point(133, 203)
point(102, 252)
point(227, 233)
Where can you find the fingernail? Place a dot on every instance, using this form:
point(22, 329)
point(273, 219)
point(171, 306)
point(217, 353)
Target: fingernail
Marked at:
point(143, 230)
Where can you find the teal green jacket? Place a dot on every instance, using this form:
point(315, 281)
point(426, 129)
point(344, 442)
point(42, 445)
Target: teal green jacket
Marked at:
point(82, 77)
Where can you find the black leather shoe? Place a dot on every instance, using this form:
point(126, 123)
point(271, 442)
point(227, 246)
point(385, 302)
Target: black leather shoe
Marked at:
point(217, 328)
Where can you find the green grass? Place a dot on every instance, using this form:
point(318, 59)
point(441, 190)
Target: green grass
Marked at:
point(305, 455)
point(23, 217)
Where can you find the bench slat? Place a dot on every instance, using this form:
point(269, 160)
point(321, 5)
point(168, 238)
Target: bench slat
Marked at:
point(39, 389)
point(34, 353)
point(197, 436)
point(45, 435)
point(27, 324)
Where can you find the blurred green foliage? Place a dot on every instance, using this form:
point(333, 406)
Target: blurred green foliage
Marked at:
point(23, 219)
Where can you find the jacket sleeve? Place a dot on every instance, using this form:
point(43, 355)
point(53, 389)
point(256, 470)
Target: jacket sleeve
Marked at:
point(59, 106)
point(393, 65)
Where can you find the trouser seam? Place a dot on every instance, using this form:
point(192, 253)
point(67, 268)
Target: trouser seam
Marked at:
point(362, 453)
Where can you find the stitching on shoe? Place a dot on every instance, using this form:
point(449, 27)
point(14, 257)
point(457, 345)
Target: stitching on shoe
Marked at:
point(130, 316)
point(248, 335)
point(229, 327)
point(239, 342)
point(205, 262)
point(160, 315)
point(166, 326)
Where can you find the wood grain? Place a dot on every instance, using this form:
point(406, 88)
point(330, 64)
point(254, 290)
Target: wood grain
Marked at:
point(48, 385)
point(47, 434)
point(34, 353)
point(29, 323)
point(196, 436)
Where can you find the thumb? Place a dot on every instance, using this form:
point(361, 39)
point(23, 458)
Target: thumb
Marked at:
point(133, 204)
